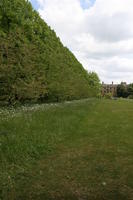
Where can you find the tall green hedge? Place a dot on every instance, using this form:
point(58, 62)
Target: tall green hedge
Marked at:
point(34, 64)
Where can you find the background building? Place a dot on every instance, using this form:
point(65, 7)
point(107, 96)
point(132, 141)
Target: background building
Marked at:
point(109, 88)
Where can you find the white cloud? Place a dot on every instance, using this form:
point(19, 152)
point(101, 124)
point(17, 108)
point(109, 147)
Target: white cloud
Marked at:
point(101, 36)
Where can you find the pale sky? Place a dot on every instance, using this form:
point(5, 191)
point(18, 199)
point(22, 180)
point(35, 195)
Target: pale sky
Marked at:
point(98, 32)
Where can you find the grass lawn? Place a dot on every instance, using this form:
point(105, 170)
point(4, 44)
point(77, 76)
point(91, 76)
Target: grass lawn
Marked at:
point(81, 150)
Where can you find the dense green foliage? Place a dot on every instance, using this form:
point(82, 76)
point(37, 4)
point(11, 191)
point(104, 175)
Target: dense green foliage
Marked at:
point(34, 65)
point(130, 91)
point(125, 91)
point(108, 95)
point(94, 83)
point(122, 90)
point(67, 151)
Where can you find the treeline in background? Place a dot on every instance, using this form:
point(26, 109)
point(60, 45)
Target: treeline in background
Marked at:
point(125, 91)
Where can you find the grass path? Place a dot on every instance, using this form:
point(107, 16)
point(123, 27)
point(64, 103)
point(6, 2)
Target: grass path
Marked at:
point(80, 151)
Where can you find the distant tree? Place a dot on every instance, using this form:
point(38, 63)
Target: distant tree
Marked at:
point(122, 91)
point(94, 83)
point(130, 89)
